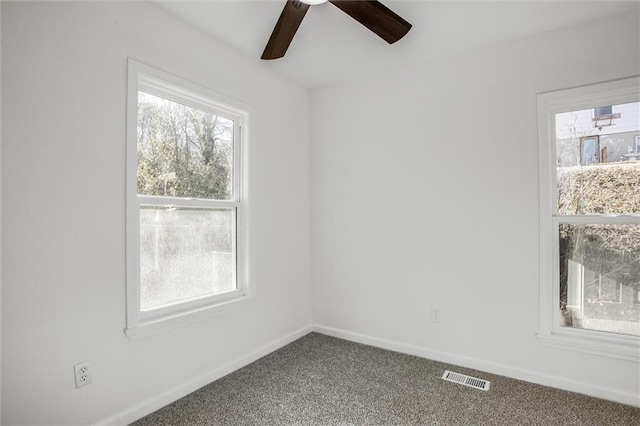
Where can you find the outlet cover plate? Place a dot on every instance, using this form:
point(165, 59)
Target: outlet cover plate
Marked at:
point(83, 373)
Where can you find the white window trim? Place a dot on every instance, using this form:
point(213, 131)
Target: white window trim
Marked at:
point(550, 333)
point(168, 86)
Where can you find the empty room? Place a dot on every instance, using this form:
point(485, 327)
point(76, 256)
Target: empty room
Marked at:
point(320, 212)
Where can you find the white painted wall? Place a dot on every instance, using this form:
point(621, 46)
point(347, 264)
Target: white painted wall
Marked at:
point(396, 230)
point(63, 136)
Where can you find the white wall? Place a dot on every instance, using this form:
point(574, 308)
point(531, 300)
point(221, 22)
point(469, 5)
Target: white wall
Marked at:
point(64, 97)
point(396, 230)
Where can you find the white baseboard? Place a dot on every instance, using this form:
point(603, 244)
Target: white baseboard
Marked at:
point(489, 367)
point(153, 404)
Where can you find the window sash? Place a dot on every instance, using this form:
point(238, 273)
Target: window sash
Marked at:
point(153, 200)
point(190, 303)
point(580, 220)
point(159, 88)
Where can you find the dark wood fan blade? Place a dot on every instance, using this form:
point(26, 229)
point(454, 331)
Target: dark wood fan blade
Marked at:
point(285, 29)
point(375, 16)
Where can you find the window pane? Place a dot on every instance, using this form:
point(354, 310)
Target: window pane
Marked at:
point(598, 168)
point(185, 254)
point(600, 277)
point(183, 151)
point(602, 111)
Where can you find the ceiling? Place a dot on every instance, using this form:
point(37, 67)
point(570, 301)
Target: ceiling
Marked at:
point(330, 47)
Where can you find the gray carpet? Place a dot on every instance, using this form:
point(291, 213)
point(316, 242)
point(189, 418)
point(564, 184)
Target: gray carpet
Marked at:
point(321, 380)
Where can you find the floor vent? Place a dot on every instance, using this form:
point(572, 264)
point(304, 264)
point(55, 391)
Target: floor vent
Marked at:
point(462, 379)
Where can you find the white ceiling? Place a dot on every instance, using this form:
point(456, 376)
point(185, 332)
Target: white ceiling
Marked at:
point(331, 47)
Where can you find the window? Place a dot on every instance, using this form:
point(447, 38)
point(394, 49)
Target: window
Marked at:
point(589, 150)
point(602, 111)
point(589, 223)
point(187, 202)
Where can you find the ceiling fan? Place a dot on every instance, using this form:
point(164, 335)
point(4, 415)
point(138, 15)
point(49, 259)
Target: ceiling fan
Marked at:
point(370, 13)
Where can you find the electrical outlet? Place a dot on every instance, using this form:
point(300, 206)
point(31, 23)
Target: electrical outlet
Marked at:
point(83, 373)
point(436, 315)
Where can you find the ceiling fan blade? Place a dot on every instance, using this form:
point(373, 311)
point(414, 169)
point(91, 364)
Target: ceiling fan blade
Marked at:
point(285, 29)
point(375, 16)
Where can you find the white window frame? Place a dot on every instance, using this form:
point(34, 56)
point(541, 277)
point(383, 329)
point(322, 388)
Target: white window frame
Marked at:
point(550, 332)
point(145, 78)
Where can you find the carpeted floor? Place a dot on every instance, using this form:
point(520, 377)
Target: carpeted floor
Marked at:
point(321, 380)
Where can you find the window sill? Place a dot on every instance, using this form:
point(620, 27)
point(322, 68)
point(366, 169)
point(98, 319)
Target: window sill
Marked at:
point(158, 325)
point(601, 344)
